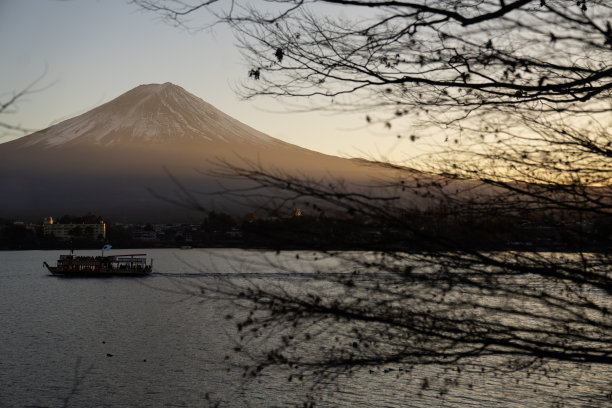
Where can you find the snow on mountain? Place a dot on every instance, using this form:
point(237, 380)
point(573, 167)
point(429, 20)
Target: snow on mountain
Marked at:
point(151, 113)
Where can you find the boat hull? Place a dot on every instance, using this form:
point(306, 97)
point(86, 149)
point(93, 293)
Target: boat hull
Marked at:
point(103, 272)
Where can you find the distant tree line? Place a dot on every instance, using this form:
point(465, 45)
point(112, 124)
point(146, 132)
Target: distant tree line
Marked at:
point(441, 227)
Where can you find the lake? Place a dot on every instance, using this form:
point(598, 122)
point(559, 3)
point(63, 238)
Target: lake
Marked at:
point(146, 342)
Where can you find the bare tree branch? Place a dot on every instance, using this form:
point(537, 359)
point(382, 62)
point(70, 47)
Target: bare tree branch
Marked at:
point(495, 254)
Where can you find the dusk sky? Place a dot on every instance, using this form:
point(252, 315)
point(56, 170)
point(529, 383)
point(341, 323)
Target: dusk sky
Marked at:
point(91, 51)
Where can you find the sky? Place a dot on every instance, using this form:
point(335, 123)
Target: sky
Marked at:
point(91, 51)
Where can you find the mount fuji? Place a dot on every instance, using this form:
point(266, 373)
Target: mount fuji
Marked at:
point(109, 159)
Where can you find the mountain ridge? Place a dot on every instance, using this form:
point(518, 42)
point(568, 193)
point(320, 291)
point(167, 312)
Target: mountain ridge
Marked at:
point(163, 113)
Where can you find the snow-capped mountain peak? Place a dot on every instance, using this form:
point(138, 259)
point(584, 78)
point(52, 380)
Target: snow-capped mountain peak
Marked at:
point(154, 113)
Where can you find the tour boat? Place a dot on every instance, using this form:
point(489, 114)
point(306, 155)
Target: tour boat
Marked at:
point(98, 266)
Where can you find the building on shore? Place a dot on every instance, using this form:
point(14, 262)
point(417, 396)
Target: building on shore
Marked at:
point(67, 231)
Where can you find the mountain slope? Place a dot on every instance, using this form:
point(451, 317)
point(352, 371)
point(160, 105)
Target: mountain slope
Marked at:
point(148, 113)
point(109, 159)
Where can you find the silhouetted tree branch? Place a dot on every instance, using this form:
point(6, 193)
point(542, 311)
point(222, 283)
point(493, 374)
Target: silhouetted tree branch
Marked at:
point(422, 58)
point(9, 103)
point(497, 249)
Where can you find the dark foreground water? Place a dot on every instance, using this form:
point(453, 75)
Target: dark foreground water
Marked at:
point(121, 342)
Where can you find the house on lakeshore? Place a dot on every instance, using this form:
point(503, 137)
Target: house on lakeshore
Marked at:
point(95, 231)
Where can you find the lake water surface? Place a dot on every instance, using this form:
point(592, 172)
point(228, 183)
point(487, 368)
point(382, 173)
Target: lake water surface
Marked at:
point(121, 342)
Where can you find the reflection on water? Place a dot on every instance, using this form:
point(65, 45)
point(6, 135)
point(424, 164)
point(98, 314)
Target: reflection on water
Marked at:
point(145, 343)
